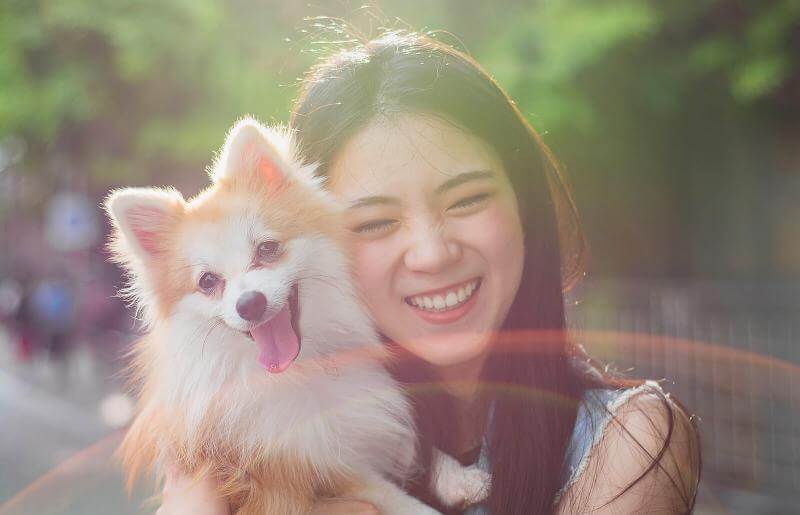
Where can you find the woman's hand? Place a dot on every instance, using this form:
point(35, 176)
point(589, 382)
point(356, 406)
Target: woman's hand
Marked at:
point(344, 507)
point(183, 495)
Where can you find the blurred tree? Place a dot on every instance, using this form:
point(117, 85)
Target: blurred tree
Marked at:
point(545, 49)
point(667, 114)
point(116, 85)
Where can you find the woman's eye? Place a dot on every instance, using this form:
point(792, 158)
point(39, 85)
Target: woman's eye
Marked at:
point(208, 282)
point(268, 251)
point(469, 201)
point(375, 226)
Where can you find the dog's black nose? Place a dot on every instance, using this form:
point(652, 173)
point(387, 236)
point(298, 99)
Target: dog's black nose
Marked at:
point(251, 305)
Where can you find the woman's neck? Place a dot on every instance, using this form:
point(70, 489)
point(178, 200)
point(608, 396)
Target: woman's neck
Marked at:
point(462, 380)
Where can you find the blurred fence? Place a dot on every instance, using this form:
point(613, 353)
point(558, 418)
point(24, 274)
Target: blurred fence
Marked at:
point(728, 352)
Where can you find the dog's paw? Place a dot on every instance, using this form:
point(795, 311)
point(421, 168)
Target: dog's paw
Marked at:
point(468, 485)
point(475, 484)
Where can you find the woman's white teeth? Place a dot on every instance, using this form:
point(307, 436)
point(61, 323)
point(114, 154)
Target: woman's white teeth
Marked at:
point(446, 300)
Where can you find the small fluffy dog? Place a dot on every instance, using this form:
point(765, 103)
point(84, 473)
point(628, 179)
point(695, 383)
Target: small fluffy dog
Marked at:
point(260, 366)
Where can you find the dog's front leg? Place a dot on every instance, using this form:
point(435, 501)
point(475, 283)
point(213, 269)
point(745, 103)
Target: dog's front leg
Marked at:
point(456, 485)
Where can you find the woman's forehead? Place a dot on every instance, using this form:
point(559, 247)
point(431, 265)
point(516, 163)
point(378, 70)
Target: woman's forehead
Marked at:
point(395, 153)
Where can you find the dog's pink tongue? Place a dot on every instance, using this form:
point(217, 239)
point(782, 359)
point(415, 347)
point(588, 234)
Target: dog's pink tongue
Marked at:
point(277, 342)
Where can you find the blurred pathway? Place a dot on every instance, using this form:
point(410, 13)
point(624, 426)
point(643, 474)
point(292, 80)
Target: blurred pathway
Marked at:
point(55, 442)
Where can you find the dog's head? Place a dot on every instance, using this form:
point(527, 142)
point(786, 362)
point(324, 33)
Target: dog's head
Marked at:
point(233, 257)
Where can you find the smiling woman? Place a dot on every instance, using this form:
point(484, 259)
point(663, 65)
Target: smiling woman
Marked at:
point(464, 238)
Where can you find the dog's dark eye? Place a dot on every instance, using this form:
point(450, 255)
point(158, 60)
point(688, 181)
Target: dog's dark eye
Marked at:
point(208, 282)
point(268, 251)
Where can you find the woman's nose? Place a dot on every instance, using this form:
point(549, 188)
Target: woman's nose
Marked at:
point(431, 250)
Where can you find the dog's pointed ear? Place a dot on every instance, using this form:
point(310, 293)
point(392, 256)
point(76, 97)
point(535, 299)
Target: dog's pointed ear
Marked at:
point(252, 154)
point(142, 219)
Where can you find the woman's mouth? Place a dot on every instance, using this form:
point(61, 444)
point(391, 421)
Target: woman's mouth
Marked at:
point(445, 305)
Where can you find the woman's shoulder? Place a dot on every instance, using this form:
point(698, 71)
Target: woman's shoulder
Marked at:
point(596, 409)
point(636, 425)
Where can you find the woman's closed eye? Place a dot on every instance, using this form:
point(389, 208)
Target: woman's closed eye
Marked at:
point(472, 201)
point(375, 227)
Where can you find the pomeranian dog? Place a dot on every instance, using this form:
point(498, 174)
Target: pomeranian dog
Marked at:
point(260, 367)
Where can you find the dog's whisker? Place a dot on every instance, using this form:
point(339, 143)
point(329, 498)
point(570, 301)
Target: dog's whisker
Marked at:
point(327, 280)
point(215, 323)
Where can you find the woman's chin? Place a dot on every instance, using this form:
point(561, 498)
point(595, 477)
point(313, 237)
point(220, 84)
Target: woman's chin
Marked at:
point(447, 350)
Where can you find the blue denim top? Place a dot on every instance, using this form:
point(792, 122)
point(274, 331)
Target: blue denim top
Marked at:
point(594, 413)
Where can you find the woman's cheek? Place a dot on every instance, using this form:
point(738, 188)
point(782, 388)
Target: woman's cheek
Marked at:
point(370, 269)
point(496, 234)
point(494, 231)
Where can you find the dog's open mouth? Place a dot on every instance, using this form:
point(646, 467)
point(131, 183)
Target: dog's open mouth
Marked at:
point(278, 339)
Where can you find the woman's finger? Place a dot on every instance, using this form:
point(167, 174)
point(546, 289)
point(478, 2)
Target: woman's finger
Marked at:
point(170, 478)
point(344, 507)
point(182, 494)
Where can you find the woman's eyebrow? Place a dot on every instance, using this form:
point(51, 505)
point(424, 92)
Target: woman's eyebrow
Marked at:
point(370, 201)
point(462, 178)
point(446, 185)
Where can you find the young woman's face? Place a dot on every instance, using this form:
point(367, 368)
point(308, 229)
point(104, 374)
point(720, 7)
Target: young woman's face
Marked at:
point(438, 240)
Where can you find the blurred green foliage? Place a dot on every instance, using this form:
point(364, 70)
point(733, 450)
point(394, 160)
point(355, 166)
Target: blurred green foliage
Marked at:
point(638, 94)
point(549, 46)
point(107, 80)
point(175, 71)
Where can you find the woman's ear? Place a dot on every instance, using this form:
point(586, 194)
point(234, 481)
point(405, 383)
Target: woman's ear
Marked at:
point(252, 155)
point(142, 219)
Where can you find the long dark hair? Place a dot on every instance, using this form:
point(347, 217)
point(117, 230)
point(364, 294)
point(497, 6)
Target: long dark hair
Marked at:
point(528, 376)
